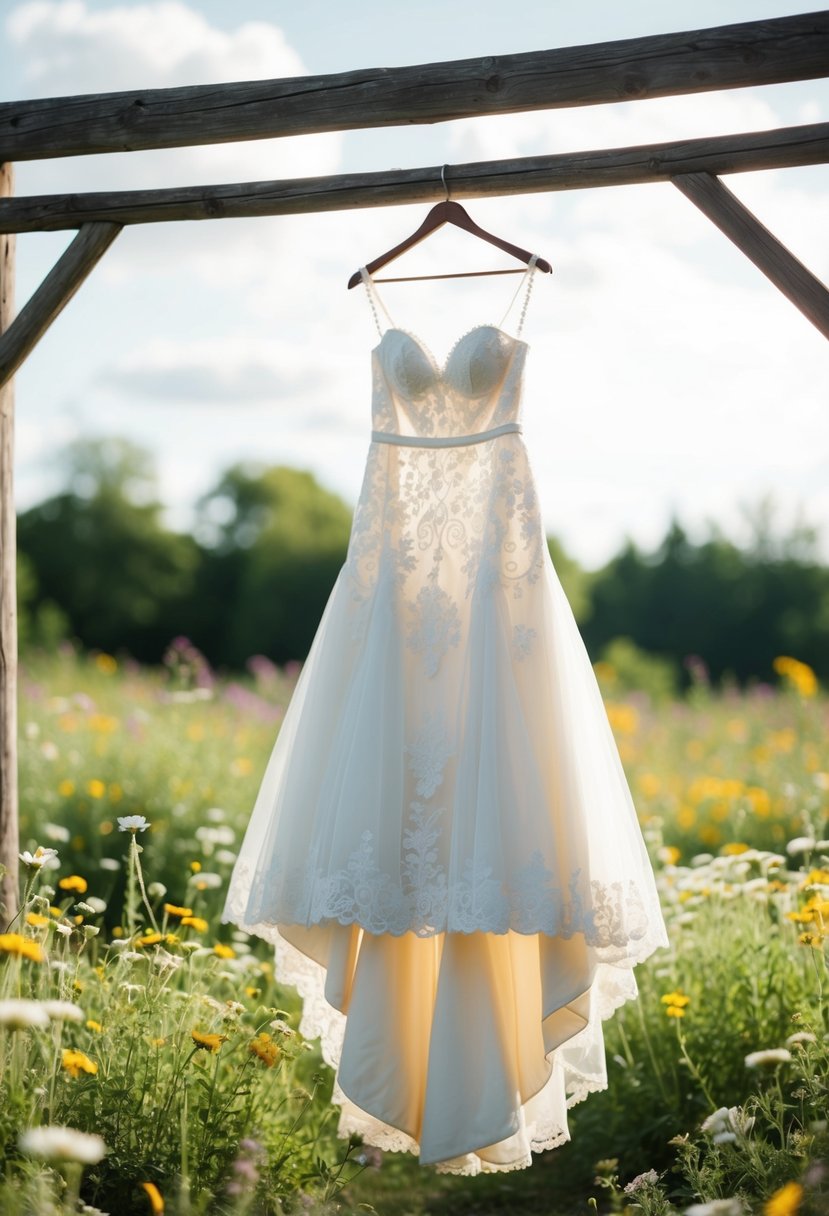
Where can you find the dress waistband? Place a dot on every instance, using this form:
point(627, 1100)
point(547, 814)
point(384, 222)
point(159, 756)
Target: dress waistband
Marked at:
point(445, 441)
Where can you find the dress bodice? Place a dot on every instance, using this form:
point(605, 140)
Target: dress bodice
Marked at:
point(478, 386)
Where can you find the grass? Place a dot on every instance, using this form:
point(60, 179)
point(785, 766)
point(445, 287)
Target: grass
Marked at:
point(733, 794)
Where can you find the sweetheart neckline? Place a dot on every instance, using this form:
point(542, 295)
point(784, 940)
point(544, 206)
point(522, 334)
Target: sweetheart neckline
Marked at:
point(441, 369)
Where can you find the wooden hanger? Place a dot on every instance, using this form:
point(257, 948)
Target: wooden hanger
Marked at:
point(448, 212)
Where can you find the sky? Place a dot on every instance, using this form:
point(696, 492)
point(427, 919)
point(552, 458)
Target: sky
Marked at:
point(666, 375)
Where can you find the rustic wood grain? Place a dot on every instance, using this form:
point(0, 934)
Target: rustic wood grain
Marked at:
point(53, 294)
point(9, 836)
point(733, 218)
point(781, 147)
point(694, 61)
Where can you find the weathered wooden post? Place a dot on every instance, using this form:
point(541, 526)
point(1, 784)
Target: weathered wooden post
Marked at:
point(8, 588)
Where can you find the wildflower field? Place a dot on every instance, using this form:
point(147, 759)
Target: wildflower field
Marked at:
point(149, 1063)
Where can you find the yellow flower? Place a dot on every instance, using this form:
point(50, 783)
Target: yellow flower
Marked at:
point(158, 1042)
point(811, 939)
point(173, 910)
point(623, 718)
point(15, 943)
point(196, 922)
point(96, 788)
point(73, 882)
point(103, 724)
point(785, 1201)
point(154, 1196)
point(149, 939)
point(800, 918)
point(797, 673)
point(675, 1011)
point(264, 1047)
point(210, 1042)
point(817, 878)
point(195, 866)
point(252, 992)
point(670, 854)
point(172, 939)
point(106, 663)
point(66, 788)
point(224, 951)
point(36, 919)
point(734, 848)
point(76, 1062)
point(649, 784)
point(675, 998)
point(93, 1025)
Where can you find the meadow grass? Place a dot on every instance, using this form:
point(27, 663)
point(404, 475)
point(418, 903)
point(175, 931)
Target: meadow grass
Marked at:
point(174, 1045)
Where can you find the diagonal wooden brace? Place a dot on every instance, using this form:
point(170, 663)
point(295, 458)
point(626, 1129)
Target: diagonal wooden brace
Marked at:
point(777, 263)
point(53, 294)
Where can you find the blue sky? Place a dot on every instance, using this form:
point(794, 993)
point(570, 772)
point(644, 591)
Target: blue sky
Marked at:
point(665, 374)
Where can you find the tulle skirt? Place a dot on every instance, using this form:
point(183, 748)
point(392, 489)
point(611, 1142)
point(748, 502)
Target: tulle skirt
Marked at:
point(445, 853)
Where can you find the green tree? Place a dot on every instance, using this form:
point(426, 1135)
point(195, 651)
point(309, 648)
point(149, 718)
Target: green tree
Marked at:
point(275, 541)
point(100, 550)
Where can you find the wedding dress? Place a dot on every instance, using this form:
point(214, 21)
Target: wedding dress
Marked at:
point(444, 849)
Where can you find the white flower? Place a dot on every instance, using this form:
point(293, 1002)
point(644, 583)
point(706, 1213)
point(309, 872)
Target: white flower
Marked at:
point(97, 905)
point(110, 863)
point(800, 844)
point(85, 908)
point(772, 1055)
point(739, 1120)
point(133, 956)
point(38, 859)
point(717, 1121)
point(641, 1180)
point(156, 890)
point(56, 831)
point(724, 1138)
point(48, 750)
point(62, 927)
point(166, 961)
point(18, 1014)
point(64, 1011)
point(132, 823)
point(800, 1036)
point(207, 881)
point(62, 1144)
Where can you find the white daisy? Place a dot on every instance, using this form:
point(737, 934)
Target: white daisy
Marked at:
point(132, 823)
point(19, 1014)
point(62, 1144)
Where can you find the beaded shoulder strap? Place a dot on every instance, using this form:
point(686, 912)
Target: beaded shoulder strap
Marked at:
point(527, 284)
point(374, 299)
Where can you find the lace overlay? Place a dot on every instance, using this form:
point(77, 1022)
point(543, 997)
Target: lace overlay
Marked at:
point(444, 822)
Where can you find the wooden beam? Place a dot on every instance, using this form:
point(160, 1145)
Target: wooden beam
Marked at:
point(9, 834)
point(721, 57)
point(53, 294)
point(733, 218)
point(779, 148)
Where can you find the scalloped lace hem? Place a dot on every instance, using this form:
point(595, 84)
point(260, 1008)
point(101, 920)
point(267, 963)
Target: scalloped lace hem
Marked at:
point(613, 985)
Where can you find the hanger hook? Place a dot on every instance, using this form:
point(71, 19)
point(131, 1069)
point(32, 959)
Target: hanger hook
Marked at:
point(443, 179)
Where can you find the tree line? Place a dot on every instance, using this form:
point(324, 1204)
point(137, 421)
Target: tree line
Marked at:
point(98, 564)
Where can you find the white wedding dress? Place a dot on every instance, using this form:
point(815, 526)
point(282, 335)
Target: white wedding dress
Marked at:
point(444, 849)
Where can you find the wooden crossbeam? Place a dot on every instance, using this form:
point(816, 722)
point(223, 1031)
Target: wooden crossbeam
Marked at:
point(695, 61)
point(779, 148)
point(53, 294)
point(733, 218)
